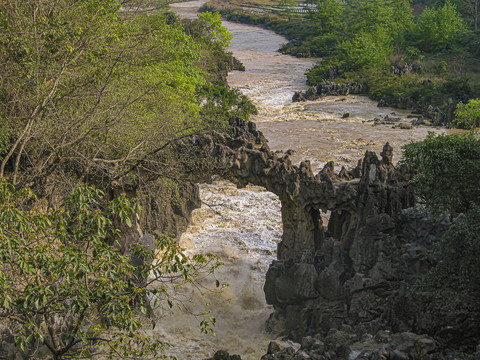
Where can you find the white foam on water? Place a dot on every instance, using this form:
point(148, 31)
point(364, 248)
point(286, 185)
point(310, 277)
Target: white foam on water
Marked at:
point(243, 228)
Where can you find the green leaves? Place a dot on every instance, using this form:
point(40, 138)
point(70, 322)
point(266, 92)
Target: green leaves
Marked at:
point(448, 171)
point(89, 88)
point(438, 29)
point(59, 267)
point(467, 116)
point(62, 280)
point(215, 30)
point(366, 50)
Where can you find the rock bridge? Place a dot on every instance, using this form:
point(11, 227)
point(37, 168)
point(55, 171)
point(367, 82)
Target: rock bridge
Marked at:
point(371, 192)
point(352, 271)
point(326, 275)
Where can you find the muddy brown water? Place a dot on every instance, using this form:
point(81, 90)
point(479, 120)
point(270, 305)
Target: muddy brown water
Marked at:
point(244, 226)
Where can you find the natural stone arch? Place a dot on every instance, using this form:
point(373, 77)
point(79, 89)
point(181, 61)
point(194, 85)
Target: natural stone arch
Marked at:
point(330, 274)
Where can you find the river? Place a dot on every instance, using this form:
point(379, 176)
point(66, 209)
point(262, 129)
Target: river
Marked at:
point(244, 226)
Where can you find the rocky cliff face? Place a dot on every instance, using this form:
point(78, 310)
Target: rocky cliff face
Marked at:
point(342, 288)
point(329, 88)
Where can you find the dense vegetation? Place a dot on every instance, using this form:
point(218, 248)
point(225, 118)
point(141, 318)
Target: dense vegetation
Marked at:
point(73, 74)
point(408, 53)
point(448, 180)
point(65, 285)
point(95, 96)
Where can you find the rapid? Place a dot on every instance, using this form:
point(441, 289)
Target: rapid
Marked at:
point(244, 226)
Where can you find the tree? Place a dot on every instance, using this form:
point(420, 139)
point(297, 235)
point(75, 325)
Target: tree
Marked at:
point(328, 15)
point(468, 8)
point(448, 173)
point(399, 20)
point(366, 49)
point(214, 28)
point(438, 29)
point(93, 91)
point(448, 168)
point(467, 116)
point(367, 15)
point(65, 287)
point(370, 29)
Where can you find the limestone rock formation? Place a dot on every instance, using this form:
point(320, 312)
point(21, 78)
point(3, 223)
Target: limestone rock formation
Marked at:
point(329, 88)
point(350, 279)
point(223, 355)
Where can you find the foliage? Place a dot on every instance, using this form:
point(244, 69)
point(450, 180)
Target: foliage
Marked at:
point(412, 53)
point(356, 38)
point(221, 101)
point(5, 137)
point(467, 116)
point(448, 168)
point(65, 287)
point(316, 46)
point(438, 29)
point(468, 8)
point(216, 31)
point(327, 15)
point(81, 71)
point(387, 85)
point(456, 273)
point(366, 49)
point(287, 6)
point(96, 91)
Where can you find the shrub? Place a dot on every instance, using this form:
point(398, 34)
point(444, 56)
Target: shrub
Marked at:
point(438, 29)
point(65, 286)
point(366, 50)
point(412, 53)
point(467, 116)
point(448, 171)
point(456, 273)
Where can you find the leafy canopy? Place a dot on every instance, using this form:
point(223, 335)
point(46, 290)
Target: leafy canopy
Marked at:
point(65, 286)
point(216, 31)
point(437, 29)
point(448, 179)
point(448, 171)
point(91, 87)
point(467, 116)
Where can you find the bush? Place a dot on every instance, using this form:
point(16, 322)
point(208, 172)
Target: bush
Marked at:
point(65, 285)
point(448, 171)
point(366, 50)
point(438, 29)
point(467, 116)
point(221, 103)
point(456, 273)
point(412, 53)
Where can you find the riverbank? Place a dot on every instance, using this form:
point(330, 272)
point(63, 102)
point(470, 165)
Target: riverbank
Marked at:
point(317, 130)
point(430, 84)
point(244, 226)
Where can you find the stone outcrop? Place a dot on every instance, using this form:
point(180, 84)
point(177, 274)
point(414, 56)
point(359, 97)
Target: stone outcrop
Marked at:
point(223, 355)
point(329, 88)
point(405, 68)
point(344, 281)
point(168, 211)
point(341, 288)
point(343, 344)
point(433, 114)
point(341, 277)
